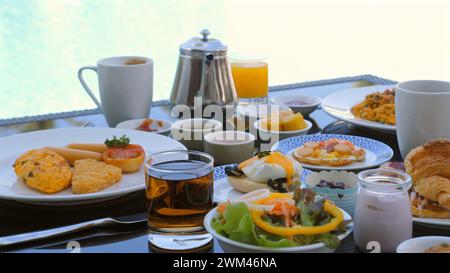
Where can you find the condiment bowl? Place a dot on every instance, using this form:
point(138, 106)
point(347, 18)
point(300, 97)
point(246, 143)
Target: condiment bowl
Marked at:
point(231, 246)
point(420, 244)
point(304, 104)
point(133, 124)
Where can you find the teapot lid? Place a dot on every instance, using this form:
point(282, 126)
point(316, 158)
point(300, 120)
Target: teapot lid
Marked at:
point(203, 44)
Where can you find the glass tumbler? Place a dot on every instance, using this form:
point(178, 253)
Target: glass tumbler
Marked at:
point(179, 191)
point(251, 80)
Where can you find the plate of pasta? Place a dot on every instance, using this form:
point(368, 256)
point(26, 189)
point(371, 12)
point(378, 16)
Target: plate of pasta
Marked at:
point(372, 107)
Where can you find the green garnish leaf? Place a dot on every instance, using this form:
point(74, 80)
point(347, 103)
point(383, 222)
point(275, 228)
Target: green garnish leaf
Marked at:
point(115, 142)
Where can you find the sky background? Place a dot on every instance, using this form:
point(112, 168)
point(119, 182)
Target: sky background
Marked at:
point(44, 42)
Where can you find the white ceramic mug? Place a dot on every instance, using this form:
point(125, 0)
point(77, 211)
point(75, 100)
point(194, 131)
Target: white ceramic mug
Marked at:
point(422, 110)
point(125, 85)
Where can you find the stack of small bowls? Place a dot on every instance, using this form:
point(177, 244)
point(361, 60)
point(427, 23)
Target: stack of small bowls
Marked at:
point(343, 198)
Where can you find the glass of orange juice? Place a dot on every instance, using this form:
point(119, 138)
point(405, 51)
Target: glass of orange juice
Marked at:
point(251, 80)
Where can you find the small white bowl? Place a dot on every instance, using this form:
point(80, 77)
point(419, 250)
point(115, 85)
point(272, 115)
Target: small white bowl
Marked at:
point(190, 132)
point(257, 111)
point(132, 124)
point(266, 134)
point(420, 244)
point(239, 147)
point(310, 102)
point(231, 246)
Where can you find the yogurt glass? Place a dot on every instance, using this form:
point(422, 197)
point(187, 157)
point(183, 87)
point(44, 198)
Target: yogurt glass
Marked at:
point(383, 217)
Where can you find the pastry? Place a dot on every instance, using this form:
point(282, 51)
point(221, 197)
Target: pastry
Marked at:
point(429, 167)
point(332, 152)
point(435, 188)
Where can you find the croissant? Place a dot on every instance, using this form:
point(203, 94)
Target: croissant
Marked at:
point(423, 208)
point(429, 167)
point(435, 188)
point(433, 158)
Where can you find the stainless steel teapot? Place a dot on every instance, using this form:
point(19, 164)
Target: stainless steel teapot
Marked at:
point(203, 71)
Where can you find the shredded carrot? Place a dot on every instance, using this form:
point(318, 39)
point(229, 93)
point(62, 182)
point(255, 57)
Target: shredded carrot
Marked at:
point(221, 207)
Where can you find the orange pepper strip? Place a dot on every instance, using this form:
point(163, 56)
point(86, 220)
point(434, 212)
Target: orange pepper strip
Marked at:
point(298, 229)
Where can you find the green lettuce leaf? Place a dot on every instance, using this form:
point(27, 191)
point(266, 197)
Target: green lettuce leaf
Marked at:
point(217, 225)
point(330, 240)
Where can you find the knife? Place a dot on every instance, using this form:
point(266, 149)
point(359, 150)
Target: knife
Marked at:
point(35, 236)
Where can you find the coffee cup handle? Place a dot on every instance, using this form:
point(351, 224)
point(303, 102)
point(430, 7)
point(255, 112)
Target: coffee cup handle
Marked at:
point(86, 87)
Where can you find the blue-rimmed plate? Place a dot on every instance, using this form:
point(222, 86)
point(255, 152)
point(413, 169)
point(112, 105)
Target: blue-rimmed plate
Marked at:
point(377, 152)
point(223, 191)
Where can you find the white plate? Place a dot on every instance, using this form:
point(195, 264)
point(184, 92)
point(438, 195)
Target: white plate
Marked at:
point(223, 191)
point(13, 189)
point(339, 104)
point(377, 152)
point(231, 246)
point(433, 222)
point(132, 124)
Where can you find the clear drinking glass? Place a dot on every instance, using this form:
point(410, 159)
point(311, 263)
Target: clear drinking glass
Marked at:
point(383, 217)
point(251, 79)
point(179, 191)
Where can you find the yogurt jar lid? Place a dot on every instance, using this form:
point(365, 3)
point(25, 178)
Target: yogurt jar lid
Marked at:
point(383, 180)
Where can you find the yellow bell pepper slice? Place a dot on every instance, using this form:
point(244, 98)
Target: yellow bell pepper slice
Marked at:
point(337, 219)
point(275, 195)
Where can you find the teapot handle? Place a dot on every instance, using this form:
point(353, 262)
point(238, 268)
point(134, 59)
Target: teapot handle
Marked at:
point(207, 73)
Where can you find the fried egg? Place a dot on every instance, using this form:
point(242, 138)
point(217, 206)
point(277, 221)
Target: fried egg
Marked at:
point(270, 167)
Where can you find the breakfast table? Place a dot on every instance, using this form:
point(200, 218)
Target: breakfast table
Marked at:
point(19, 217)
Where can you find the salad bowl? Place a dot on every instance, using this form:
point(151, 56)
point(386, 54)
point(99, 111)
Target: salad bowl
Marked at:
point(231, 246)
